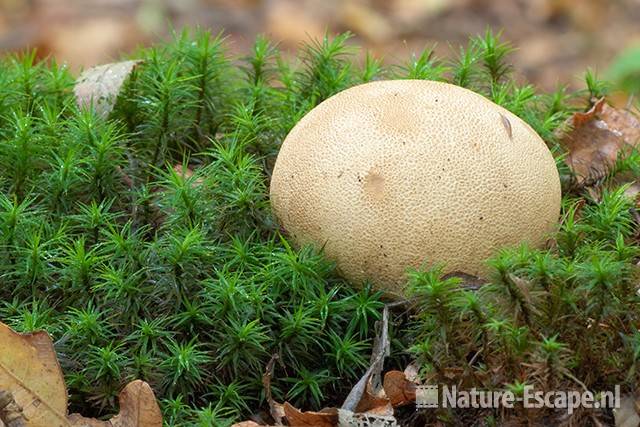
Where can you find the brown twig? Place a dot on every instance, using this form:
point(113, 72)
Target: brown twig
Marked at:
point(275, 408)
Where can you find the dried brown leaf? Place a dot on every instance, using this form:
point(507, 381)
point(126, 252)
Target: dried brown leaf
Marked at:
point(138, 408)
point(374, 402)
point(10, 412)
point(371, 379)
point(399, 388)
point(35, 394)
point(597, 138)
point(30, 371)
point(327, 417)
point(247, 424)
point(100, 86)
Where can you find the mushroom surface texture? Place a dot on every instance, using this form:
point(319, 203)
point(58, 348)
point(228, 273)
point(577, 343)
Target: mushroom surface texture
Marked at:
point(410, 173)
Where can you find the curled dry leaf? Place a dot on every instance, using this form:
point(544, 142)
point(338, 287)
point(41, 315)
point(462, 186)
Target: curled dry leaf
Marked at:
point(34, 393)
point(100, 86)
point(399, 389)
point(366, 405)
point(31, 373)
point(325, 418)
point(597, 138)
point(373, 402)
point(370, 381)
point(138, 408)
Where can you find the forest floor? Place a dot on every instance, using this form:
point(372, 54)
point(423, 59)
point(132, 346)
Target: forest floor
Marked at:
point(556, 39)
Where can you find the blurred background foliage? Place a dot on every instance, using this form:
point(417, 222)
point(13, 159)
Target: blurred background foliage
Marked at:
point(557, 39)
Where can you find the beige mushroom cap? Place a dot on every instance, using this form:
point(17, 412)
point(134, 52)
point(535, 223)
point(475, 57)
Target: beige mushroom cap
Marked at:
point(408, 173)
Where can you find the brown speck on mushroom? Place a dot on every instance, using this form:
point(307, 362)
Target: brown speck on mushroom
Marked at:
point(507, 125)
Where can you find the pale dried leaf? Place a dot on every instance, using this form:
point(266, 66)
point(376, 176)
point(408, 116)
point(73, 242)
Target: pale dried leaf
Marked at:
point(100, 86)
point(138, 408)
point(77, 420)
point(381, 349)
point(626, 415)
point(412, 372)
point(33, 376)
point(10, 412)
point(350, 419)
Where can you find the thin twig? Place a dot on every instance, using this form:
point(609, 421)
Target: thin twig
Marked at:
point(274, 407)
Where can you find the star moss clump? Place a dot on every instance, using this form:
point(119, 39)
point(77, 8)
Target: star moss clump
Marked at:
point(144, 244)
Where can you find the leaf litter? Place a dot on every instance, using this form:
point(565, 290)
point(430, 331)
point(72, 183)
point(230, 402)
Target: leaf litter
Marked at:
point(370, 403)
point(33, 392)
point(99, 87)
point(597, 139)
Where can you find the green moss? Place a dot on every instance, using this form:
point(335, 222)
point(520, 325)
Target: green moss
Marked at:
point(139, 270)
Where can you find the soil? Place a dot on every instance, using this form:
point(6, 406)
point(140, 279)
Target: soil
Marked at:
point(556, 39)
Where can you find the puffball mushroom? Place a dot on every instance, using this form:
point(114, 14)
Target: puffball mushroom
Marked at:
point(408, 173)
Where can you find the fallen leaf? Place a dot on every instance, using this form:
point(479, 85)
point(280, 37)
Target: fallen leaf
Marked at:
point(381, 349)
point(626, 415)
point(373, 402)
point(350, 419)
point(247, 424)
point(412, 372)
point(399, 389)
point(33, 391)
point(100, 86)
point(367, 403)
point(597, 138)
point(138, 408)
point(33, 376)
point(10, 412)
point(296, 418)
